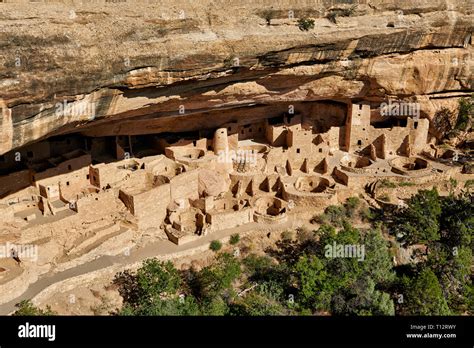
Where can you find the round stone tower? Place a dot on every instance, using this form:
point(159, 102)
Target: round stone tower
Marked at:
point(221, 143)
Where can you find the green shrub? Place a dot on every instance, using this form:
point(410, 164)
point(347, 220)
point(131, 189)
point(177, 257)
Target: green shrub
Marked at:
point(26, 308)
point(304, 235)
point(466, 111)
point(305, 24)
point(406, 183)
point(443, 120)
point(387, 183)
point(319, 219)
point(215, 245)
point(336, 214)
point(419, 221)
point(340, 12)
point(287, 235)
point(367, 214)
point(331, 16)
point(234, 239)
point(351, 205)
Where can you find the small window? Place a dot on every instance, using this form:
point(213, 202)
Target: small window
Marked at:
point(29, 154)
point(360, 106)
point(67, 183)
point(359, 142)
point(415, 125)
point(297, 150)
point(320, 150)
point(194, 143)
point(87, 176)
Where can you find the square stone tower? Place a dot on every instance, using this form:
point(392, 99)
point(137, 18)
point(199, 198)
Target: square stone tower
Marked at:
point(357, 127)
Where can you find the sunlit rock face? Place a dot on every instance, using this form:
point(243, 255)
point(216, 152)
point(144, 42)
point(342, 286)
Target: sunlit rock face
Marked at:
point(105, 68)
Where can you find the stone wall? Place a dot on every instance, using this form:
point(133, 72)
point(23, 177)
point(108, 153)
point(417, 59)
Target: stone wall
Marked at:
point(14, 182)
point(98, 202)
point(229, 218)
point(150, 206)
point(65, 167)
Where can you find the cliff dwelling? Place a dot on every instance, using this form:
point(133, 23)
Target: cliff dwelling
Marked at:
point(185, 185)
point(156, 128)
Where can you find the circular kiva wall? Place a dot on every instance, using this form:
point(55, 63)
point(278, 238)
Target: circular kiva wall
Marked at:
point(129, 165)
point(309, 191)
point(410, 165)
point(187, 153)
point(313, 184)
point(270, 210)
point(356, 162)
point(360, 165)
point(166, 167)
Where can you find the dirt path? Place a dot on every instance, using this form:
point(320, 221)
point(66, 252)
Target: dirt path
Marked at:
point(161, 248)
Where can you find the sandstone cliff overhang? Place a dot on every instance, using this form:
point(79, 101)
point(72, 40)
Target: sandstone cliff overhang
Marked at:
point(105, 68)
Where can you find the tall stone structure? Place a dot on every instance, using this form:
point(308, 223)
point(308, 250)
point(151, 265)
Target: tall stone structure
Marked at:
point(357, 127)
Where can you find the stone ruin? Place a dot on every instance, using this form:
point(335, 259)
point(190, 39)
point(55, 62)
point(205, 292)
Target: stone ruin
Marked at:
point(240, 173)
point(80, 198)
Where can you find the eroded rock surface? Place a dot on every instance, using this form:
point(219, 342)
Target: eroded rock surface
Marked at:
point(130, 68)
